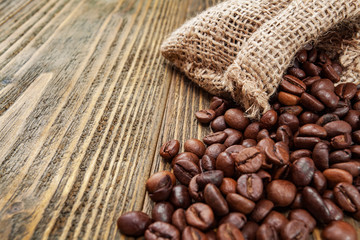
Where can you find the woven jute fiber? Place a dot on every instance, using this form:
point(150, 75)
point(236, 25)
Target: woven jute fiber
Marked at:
point(241, 49)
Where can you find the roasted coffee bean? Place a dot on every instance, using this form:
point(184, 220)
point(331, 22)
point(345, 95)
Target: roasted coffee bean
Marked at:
point(233, 137)
point(347, 197)
point(185, 170)
point(310, 80)
point(353, 118)
point(178, 219)
point(284, 134)
point(311, 69)
point(328, 194)
point(266, 232)
point(225, 163)
point(195, 191)
point(235, 118)
point(265, 176)
point(278, 154)
point(200, 215)
point(340, 156)
point(162, 211)
point(356, 136)
point(281, 172)
point(281, 192)
point(187, 156)
point(330, 73)
point(326, 118)
point(289, 120)
point(328, 98)
point(320, 155)
point(133, 223)
point(297, 203)
point(276, 220)
point(341, 141)
point(180, 197)
point(355, 151)
point(194, 146)
point(215, 149)
point(312, 130)
point(207, 163)
point(228, 231)
point(299, 153)
point(162, 230)
point(191, 233)
point(265, 143)
point(239, 203)
point(323, 58)
point(288, 99)
point(346, 90)
point(292, 85)
point(235, 218)
point(305, 142)
point(295, 230)
point(249, 143)
point(322, 84)
point(311, 103)
point(170, 149)
point(264, 133)
point(335, 176)
point(314, 203)
point(302, 171)
point(339, 230)
point(335, 212)
point(352, 167)
point(218, 124)
point(308, 117)
point(342, 108)
point(250, 186)
point(217, 137)
point(227, 186)
point(252, 130)
point(261, 210)
point(295, 110)
point(269, 119)
point(205, 116)
point(248, 160)
point(249, 230)
point(234, 149)
point(296, 72)
point(312, 54)
point(319, 181)
point(302, 56)
point(159, 185)
point(214, 177)
point(304, 216)
point(215, 200)
point(335, 128)
point(219, 105)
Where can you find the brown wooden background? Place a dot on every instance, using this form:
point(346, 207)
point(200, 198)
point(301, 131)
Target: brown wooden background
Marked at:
point(85, 102)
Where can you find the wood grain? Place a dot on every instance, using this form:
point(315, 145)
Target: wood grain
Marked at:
point(86, 101)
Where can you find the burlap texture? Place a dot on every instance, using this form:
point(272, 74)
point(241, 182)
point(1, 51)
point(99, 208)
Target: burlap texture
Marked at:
point(242, 48)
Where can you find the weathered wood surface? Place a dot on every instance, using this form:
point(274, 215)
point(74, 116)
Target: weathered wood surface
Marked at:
point(85, 102)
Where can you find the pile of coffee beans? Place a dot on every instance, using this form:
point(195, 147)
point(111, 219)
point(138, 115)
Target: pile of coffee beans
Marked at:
point(295, 169)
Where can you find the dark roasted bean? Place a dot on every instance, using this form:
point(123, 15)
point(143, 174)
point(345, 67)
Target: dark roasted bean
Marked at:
point(319, 181)
point(289, 120)
point(276, 220)
point(234, 137)
point(227, 186)
point(347, 197)
point(262, 209)
point(281, 192)
point(335, 212)
point(218, 124)
point(269, 119)
point(228, 231)
point(205, 116)
point(249, 230)
point(302, 171)
point(159, 230)
point(308, 117)
point(214, 177)
point(311, 103)
point(353, 167)
point(215, 200)
point(159, 185)
point(180, 197)
point(207, 163)
point(304, 216)
point(248, 160)
point(335, 128)
point(314, 203)
point(249, 143)
point(234, 149)
point(219, 105)
point(217, 137)
point(340, 156)
point(239, 203)
point(252, 130)
point(170, 149)
point(295, 230)
point(312, 130)
point(200, 215)
point(338, 230)
point(341, 141)
point(330, 73)
point(292, 85)
point(195, 146)
point(320, 155)
point(195, 191)
point(297, 72)
point(266, 232)
point(187, 156)
point(214, 150)
point(299, 153)
point(235, 218)
point(250, 186)
point(225, 163)
point(295, 110)
point(235, 118)
point(162, 211)
point(185, 170)
point(178, 219)
point(346, 90)
point(311, 69)
point(133, 223)
point(191, 233)
point(302, 56)
point(326, 118)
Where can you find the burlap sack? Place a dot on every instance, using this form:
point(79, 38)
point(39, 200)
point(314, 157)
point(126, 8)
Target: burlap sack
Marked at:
point(240, 49)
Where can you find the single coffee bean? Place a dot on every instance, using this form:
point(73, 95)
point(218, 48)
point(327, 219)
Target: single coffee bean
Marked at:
point(162, 230)
point(178, 219)
point(341, 141)
point(264, 133)
point(312, 55)
point(195, 191)
point(312, 130)
point(324, 58)
point(326, 118)
point(278, 154)
point(249, 143)
point(297, 203)
point(281, 192)
point(289, 120)
point(133, 223)
point(195, 146)
point(252, 130)
point(205, 116)
point(304, 216)
point(234, 149)
point(215, 200)
point(159, 185)
point(217, 137)
point(311, 103)
point(311, 80)
point(250, 186)
point(295, 230)
point(299, 153)
point(288, 99)
point(191, 233)
point(185, 170)
point(284, 134)
point(180, 197)
point(335, 212)
point(314, 203)
point(239, 203)
point(356, 136)
point(249, 230)
point(261, 210)
point(227, 186)
point(170, 149)
point(214, 150)
point(319, 181)
point(308, 117)
point(207, 163)
point(235, 118)
point(322, 84)
point(225, 163)
point(335, 176)
point(342, 108)
point(162, 211)
point(276, 220)
point(228, 231)
point(320, 155)
point(355, 151)
point(187, 156)
point(266, 232)
point(302, 171)
point(330, 73)
point(339, 230)
point(296, 72)
point(335, 128)
point(302, 56)
point(200, 215)
point(353, 118)
point(235, 218)
point(346, 90)
point(233, 137)
point(248, 160)
point(347, 197)
point(352, 167)
point(311, 69)
point(218, 124)
point(269, 119)
point(340, 156)
point(292, 85)
point(305, 142)
point(295, 110)
point(219, 105)
point(214, 177)
point(328, 98)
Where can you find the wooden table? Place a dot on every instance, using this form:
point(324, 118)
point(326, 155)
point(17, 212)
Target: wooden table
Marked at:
point(86, 100)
